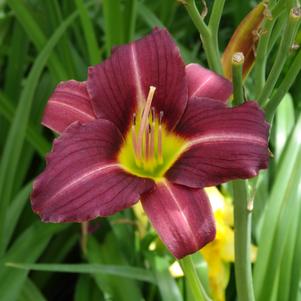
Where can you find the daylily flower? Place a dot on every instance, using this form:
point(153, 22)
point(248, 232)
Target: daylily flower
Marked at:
point(145, 127)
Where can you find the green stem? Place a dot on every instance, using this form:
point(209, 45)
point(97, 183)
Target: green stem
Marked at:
point(242, 216)
point(282, 54)
point(207, 37)
point(261, 54)
point(287, 82)
point(242, 239)
point(215, 18)
point(237, 64)
point(193, 280)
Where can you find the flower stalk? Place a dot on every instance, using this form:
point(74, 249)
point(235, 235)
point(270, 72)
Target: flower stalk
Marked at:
point(271, 16)
point(242, 207)
point(193, 280)
point(287, 82)
point(238, 60)
point(282, 54)
point(208, 36)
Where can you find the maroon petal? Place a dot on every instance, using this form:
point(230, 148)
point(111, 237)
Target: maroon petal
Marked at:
point(119, 86)
point(182, 217)
point(205, 83)
point(225, 143)
point(69, 102)
point(82, 179)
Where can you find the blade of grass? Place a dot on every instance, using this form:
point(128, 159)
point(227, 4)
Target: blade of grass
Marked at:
point(113, 24)
point(28, 247)
point(285, 120)
point(38, 142)
point(30, 292)
point(86, 289)
point(283, 191)
point(296, 263)
point(60, 247)
point(108, 253)
point(54, 15)
point(15, 210)
point(16, 61)
point(15, 139)
point(37, 36)
point(90, 37)
point(285, 268)
point(14, 70)
point(148, 16)
point(167, 285)
point(130, 15)
point(122, 271)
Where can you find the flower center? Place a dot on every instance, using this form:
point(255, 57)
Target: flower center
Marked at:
point(149, 149)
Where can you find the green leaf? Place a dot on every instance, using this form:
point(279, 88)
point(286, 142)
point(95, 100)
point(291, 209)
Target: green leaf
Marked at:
point(113, 24)
point(167, 285)
point(108, 253)
point(15, 210)
point(281, 211)
point(30, 292)
point(28, 247)
point(15, 140)
point(33, 136)
point(130, 15)
point(148, 16)
point(295, 287)
point(285, 120)
point(90, 37)
point(122, 271)
point(36, 35)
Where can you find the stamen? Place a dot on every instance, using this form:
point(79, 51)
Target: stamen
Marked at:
point(160, 150)
point(153, 114)
point(152, 140)
point(147, 143)
point(161, 117)
point(134, 135)
point(144, 120)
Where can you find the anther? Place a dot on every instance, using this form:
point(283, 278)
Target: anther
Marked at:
point(161, 117)
point(153, 114)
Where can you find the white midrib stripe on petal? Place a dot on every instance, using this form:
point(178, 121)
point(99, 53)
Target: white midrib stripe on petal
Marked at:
point(140, 94)
point(226, 138)
point(202, 85)
point(58, 103)
point(85, 176)
point(186, 222)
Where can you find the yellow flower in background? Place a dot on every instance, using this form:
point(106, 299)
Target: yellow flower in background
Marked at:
point(220, 252)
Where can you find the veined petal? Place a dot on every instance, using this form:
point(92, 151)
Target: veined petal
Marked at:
point(119, 86)
point(82, 179)
point(69, 102)
point(205, 83)
point(225, 143)
point(182, 217)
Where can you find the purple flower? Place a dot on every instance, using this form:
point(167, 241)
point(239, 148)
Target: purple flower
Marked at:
point(145, 127)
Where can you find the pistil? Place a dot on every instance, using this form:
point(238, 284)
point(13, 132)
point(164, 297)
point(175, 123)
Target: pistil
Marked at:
point(144, 121)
